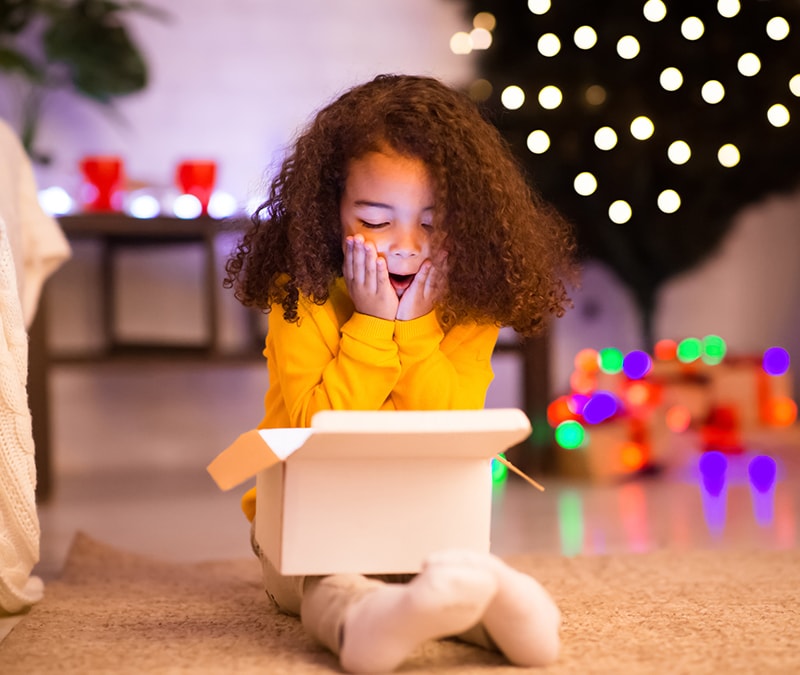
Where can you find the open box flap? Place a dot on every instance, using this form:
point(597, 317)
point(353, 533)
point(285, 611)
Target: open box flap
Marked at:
point(458, 434)
point(252, 452)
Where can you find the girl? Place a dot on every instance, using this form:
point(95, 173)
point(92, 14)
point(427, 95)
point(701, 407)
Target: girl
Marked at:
point(398, 236)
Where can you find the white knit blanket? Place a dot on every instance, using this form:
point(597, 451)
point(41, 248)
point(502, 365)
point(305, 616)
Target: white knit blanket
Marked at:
point(32, 246)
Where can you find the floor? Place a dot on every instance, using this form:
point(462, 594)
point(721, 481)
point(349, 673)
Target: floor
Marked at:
point(131, 442)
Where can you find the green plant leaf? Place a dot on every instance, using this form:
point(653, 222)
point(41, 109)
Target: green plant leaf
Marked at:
point(101, 59)
point(11, 60)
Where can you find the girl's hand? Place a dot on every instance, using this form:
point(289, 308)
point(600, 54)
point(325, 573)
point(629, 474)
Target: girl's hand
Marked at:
point(367, 279)
point(424, 291)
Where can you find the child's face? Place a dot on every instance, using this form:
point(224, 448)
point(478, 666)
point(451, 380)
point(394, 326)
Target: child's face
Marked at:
point(389, 200)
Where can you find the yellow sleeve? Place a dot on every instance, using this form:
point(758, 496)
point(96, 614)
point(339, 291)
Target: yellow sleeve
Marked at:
point(322, 366)
point(443, 372)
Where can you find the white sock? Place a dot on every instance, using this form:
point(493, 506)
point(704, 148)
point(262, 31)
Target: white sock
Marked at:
point(522, 618)
point(448, 597)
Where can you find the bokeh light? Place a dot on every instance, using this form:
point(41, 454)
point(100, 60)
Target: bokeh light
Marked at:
point(538, 141)
point(712, 91)
point(461, 43)
point(678, 418)
point(480, 38)
point(550, 97)
point(639, 393)
point(499, 470)
point(778, 115)
point(669, 201)
point(794, 85)
point(633, 456)
point(620, 212)
point(548, 44)
point(559, 411)
point(144, 206)
point(628, 47)
point(485, 20)
point(611, 360)
point(728, 8)
point(601, 406)
point(777, 28)
point(776, 361)
point(585, 37)
point(637, 364)
point(714, 350)
point(187, 207)
point(605, 138)
point(585, 183)
point(689, 350)
point(586, 360)
point(782, 411)
point(762, 471)
point(642, 128)
point(749, 64)
point(512, 97)
point(665, 349)
point(671, 79)
point(570, 435)
point(654, 10)
point(539, 6)
point(679, 152)
point(728, 155)
point(713, 467)
point(692, 28)
point(55, 201)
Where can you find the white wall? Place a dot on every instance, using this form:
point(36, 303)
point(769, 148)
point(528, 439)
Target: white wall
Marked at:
point(233, 79)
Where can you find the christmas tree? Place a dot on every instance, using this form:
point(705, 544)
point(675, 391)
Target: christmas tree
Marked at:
point(649, 124)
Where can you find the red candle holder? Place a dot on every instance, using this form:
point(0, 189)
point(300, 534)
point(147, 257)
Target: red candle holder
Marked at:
point(197, 177)
point(103, 180)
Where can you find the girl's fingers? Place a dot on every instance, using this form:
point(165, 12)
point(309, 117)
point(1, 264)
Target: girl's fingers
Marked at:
point(370, 268)
point(347, 269)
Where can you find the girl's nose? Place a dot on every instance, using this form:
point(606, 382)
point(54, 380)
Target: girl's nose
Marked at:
point(407, 245)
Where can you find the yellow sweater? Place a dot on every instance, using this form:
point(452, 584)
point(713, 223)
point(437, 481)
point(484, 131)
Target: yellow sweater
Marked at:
point(338, 359)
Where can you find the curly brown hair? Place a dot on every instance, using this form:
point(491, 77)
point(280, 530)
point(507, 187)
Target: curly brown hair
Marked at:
point(509, 252)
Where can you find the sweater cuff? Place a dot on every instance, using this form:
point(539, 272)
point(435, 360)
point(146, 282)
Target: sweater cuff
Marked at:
point(369, 328)
point(424, 327)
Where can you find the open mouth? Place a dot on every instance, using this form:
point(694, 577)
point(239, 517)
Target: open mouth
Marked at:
point(401, 282)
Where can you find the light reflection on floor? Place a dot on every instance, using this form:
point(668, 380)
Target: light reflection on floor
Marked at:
point(741, 501)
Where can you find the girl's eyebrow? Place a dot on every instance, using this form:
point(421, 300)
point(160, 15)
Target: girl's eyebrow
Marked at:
point(381, 205)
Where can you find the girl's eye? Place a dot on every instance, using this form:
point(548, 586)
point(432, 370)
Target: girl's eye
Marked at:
point(373, 226)
point(427, 226)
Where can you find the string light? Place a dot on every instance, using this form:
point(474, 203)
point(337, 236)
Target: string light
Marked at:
point(794, 85)
point(550, 97)
point(777, 28)
point(480, 38)
point(585, 184)
point(548, 45)
point(671, 79)
point(605, 138)
point(642, 128)
point(728, 155)
point(512, 97)
point(620, 212)
point(654, 10)
point(628, 47)
point(713, 91)
point(539, 6)
point(485, 20)
point(585, 37)
point(679, 152)
point(749, 64)
point(461, 43)
point(595, 95)
point(669, 201)
point(728, 8)
point(538, 141)
point(778, 115)
point(692, 28)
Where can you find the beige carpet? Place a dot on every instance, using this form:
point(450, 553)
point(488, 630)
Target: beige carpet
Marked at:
point(699, 612)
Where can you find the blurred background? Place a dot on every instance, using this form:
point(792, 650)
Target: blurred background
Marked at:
point(667, 132)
